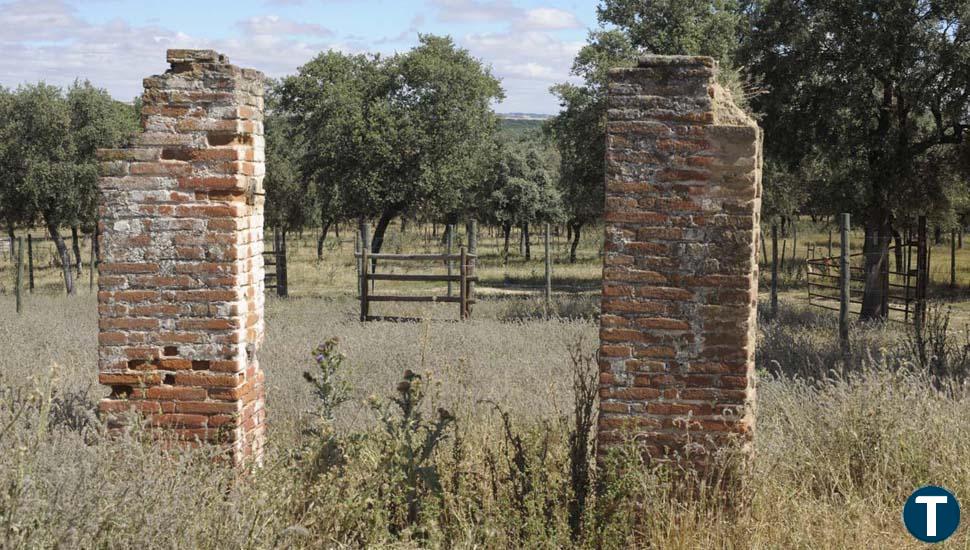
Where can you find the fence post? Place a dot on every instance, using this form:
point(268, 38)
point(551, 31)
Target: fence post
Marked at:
point(462, 282)
point(30, 263)
point(548, 289)
point(473, 262)
point(845, 278)
point(20, 272)
point(364, 254)
point(281, 275)
point(774, 269)
point(276, 258)
point(449, 240)
point(953, 258)
point(357, 251)
point(922, 272)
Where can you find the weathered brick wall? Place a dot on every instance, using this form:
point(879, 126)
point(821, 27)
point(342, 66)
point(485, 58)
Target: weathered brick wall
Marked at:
point(683, 198)
point(181, 274)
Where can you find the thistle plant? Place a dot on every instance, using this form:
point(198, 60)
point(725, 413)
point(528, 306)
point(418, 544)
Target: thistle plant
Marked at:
point(332, 392)
point(409, 449)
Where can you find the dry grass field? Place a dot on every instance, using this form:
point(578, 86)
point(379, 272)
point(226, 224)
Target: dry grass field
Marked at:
point(839, 445)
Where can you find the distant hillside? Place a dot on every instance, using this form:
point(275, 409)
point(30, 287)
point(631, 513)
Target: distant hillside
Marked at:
point(524, 116)
point(518, 124)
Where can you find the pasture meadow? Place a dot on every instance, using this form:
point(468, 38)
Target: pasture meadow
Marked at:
point(835, 455)
point(493, 450)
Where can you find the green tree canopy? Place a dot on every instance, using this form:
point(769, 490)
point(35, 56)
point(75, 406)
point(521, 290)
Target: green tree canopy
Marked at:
point(396, 134)
point(876, 106)
point(47, 156)
point(678, 27)
point(579, 130)
point(289, 195)
point(523, 189)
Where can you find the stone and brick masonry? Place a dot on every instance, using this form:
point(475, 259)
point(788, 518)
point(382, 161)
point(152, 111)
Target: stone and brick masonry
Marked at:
point(683, 197)
point(181, 273)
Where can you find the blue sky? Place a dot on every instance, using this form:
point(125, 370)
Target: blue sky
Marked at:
point(115, 43)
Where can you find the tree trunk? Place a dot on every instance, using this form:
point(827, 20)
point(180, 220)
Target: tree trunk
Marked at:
point(378, 240)
point(774, 270)
point(898, 250)
point(507, 230)
point(525, 239)
point(574, 230)
point(404, 226)
point(65, 257)
point(764, 249)
point(876, 253)
point(569, 231)
point(96, 243)
point(937, 235)
point(321, 239)
point(76, 246)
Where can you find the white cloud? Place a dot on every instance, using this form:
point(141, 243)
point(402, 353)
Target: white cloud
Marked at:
point(475, 11)
point(548, 19)
point(525, 54)
point(530, 71)
point(36, 20)
point(528, 63)
point(275, 25)
point(49, 40)
point(56, 46)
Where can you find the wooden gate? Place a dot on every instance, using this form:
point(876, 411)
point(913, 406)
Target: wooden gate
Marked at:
point(466, 280)
point(274, 265)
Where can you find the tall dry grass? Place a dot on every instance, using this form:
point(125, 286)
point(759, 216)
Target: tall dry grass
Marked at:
point(836, 454)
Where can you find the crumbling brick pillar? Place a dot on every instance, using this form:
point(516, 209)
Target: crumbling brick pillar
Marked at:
point(680, 282)
point(181, 273)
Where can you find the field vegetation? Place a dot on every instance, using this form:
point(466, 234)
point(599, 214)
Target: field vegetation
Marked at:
point(476, 434)
point(839, 445)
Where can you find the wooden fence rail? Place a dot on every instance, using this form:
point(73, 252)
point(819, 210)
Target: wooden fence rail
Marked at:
point(465, 278)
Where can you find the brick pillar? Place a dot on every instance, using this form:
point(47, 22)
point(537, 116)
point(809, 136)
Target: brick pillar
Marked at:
point(181, 276)
point(680, 284)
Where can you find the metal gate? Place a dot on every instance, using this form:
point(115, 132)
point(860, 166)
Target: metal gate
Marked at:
point(904, 288)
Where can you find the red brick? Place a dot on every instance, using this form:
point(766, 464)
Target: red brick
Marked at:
point(207, 407)
point(176, 393)
point(208, 380)
point(179, 420)
point(660, 323)
point(136, 379)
